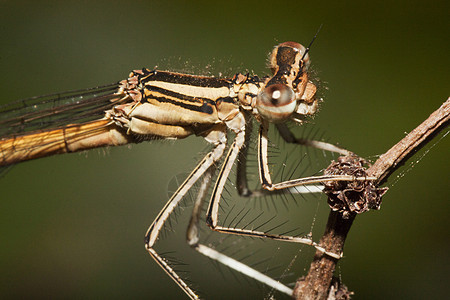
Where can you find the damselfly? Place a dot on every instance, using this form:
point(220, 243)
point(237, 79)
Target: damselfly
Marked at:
point(153, 104)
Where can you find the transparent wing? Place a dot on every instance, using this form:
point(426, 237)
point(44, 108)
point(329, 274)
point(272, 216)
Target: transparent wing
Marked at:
point(56, 110)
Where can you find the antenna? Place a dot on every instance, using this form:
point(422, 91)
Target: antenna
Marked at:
point(312, 41)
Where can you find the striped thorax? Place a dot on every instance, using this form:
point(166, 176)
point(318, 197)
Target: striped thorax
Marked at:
point(181, 104)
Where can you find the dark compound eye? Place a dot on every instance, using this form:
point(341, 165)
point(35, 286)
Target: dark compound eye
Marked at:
point(276, 102)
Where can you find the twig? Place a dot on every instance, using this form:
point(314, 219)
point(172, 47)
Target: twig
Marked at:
point(410, 144)
point(316, 285)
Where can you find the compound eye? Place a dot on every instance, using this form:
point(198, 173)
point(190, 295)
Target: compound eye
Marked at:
point(276, 102)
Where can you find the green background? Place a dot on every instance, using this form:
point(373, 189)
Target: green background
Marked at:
point(73, 226)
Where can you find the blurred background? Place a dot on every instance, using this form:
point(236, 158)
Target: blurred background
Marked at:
point(72, 226)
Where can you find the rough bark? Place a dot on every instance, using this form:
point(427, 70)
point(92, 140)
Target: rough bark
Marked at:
point(316, 284)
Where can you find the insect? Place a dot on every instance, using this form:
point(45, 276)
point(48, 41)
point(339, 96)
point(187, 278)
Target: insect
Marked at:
point(153, 104)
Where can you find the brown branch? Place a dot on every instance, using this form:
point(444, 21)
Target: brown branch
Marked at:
point(410, 144)
point(318, 280)
point(316, 285)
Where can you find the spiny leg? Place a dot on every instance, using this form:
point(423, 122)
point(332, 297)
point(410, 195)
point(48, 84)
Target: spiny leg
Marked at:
point(289, 137)
point(153, 232)
point(241, 165)
point(305, 185)
point(193, 241)
point(264, 173)
point(192, 235)
point(293, 185)
point(212, 215)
